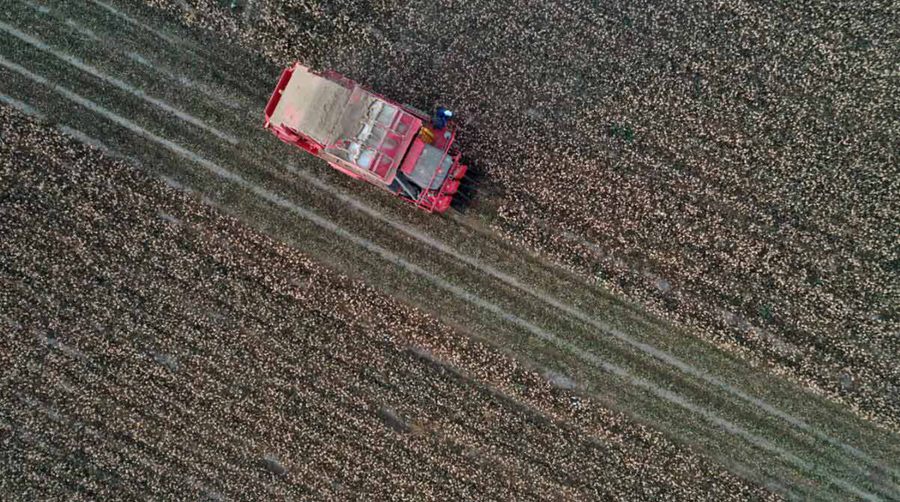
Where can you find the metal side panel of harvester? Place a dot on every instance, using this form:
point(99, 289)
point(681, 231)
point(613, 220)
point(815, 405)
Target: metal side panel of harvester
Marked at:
point(366, 136)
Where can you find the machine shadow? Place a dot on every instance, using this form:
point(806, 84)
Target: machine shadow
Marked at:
point(472, 189)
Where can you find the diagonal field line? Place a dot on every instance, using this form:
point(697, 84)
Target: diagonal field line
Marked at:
point(231, 101)
point(389, 256)
point(121, 15)
point(596, 323)
point(179, 43)
point(81, 65)
point(22, 107)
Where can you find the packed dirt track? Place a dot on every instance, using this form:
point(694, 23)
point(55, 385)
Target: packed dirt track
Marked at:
point(256, 325)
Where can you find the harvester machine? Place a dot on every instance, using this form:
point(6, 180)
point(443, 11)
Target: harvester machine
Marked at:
point(367, 136)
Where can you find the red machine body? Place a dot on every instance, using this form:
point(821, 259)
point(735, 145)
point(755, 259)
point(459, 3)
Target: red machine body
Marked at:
point(367, 136)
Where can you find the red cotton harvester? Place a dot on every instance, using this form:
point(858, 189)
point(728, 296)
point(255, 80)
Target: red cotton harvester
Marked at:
point(367, 136)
